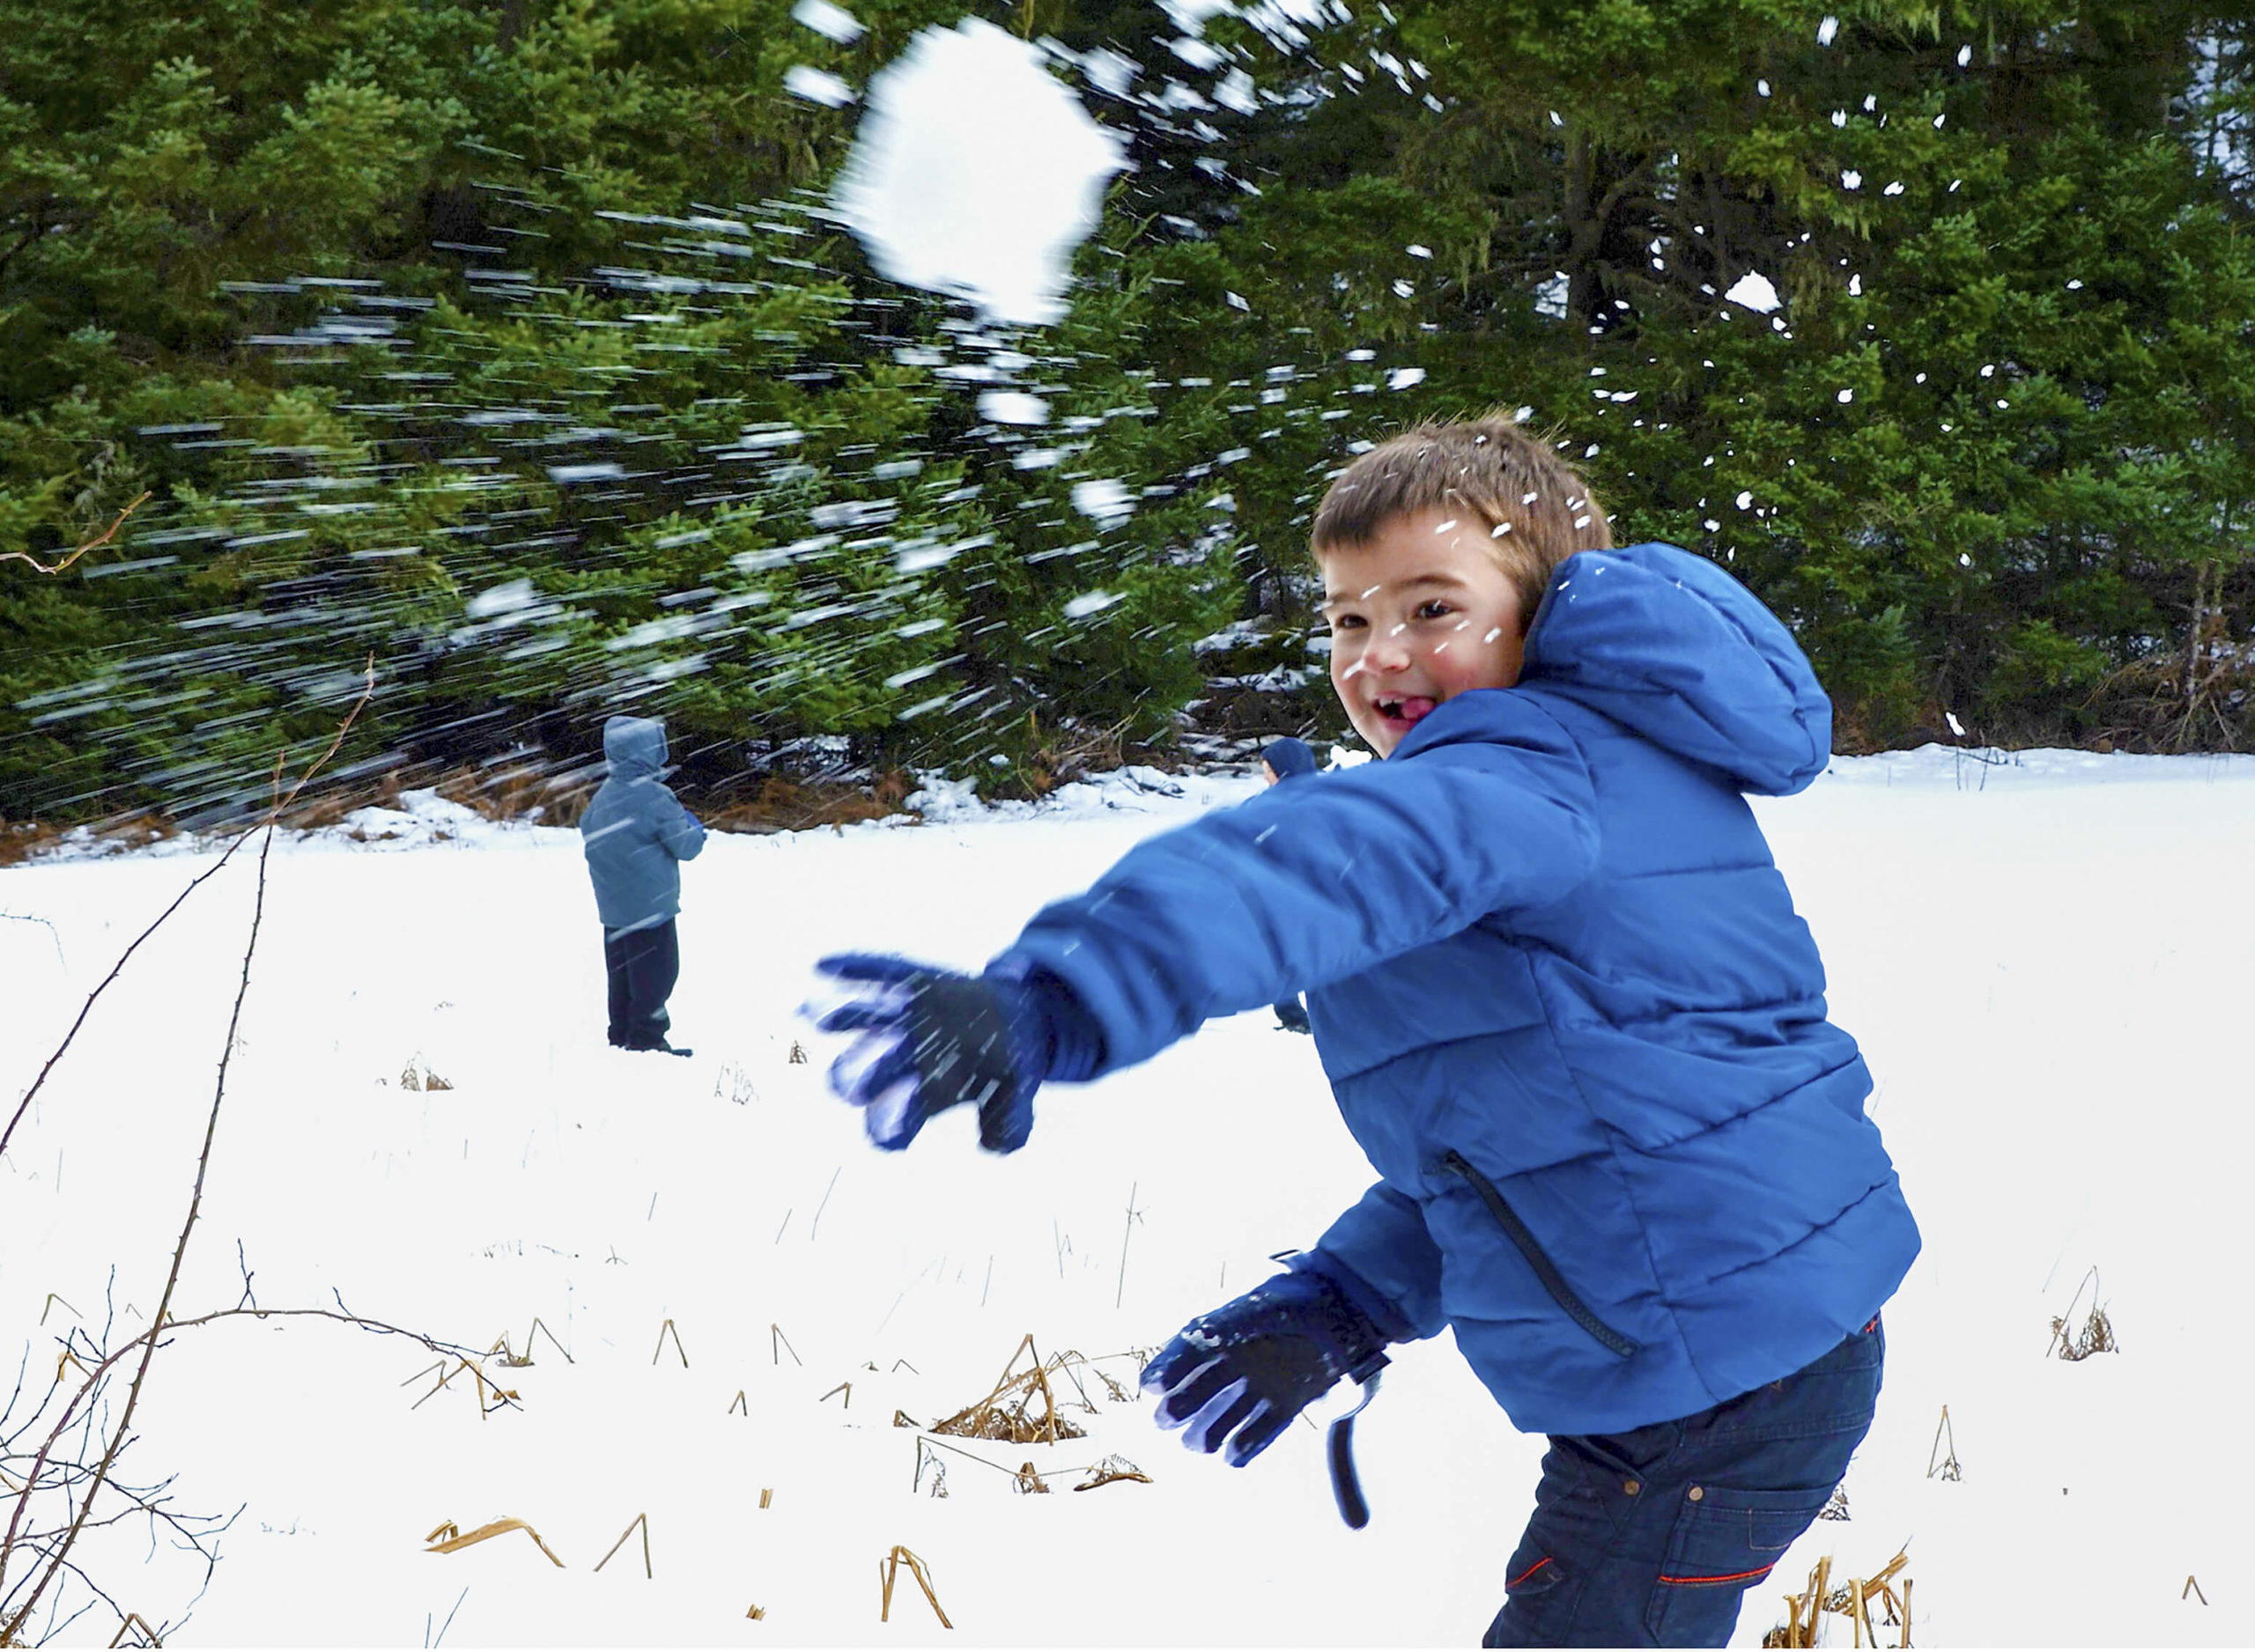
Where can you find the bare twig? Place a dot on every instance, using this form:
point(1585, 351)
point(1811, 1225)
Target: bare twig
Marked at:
point(29, 918)
point(1126, 1235)
point(96, 544)
point(817, 1227)
point(87, 1478)
point(197, 883)
point(58, 1556)
point(149, 1343)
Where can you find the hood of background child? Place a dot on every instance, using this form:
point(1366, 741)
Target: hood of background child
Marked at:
point(1674, 647)
point(1287, 756)
point(635, 746)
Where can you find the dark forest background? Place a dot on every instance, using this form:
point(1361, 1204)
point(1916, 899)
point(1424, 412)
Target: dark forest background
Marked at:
point(511, 344)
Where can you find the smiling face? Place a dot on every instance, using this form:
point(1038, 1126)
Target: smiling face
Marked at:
point(1420, 613)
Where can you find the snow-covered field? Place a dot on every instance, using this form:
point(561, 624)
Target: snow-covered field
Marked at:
point(2046, 963)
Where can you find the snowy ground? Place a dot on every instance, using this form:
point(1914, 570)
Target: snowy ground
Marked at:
point(2046, 963)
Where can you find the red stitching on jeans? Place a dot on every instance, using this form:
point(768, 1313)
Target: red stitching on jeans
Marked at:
point(1735, 1577)
point(1872, 1326)
point(1531, 1571)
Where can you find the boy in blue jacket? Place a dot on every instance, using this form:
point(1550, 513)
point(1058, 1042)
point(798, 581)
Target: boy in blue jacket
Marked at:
point(636, 834)
point(1566, 1007)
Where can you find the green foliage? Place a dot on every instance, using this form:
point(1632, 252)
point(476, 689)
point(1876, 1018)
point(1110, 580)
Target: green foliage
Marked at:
point(615, 421)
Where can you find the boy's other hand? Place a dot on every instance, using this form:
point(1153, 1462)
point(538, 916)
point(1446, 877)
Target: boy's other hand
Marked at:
point(930, 1038)
point(1232, 1380)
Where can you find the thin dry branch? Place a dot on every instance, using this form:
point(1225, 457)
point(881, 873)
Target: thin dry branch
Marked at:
point(46, 1455)
point(148, 1343)
point(58, 1557)
point(237, 841)
point(95, 543)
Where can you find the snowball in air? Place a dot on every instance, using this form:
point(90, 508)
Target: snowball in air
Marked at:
point(976, 173)
point(1105, 501)
point(1012, 407)
point(816, 85)
point(1753, 290)
point(832, 21)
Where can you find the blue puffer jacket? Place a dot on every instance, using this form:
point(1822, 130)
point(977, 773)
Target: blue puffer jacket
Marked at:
point(1563, 1000)
point(635, 832)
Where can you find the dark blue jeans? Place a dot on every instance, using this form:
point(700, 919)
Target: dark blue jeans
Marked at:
point(643, 966)
point(1652, 1537)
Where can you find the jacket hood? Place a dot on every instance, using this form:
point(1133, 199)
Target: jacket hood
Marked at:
point(1287, 756)
point(1673, 647)
point(636, 746)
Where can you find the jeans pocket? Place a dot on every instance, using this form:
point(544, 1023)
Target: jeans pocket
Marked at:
point(1530, 1597)
point(1724, 1541)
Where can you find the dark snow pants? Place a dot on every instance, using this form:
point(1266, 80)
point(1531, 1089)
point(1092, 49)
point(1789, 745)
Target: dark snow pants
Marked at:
point(644, 964)
point(1652, 1537)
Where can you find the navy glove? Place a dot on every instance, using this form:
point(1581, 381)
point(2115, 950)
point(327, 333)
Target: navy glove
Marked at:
point(930, 1039)
point(1232, 1380)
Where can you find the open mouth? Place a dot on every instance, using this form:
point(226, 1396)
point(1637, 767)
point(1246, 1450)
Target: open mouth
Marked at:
point(1405, 709)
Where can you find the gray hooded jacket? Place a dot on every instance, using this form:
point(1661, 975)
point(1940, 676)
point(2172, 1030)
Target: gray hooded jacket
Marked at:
point(635, 831)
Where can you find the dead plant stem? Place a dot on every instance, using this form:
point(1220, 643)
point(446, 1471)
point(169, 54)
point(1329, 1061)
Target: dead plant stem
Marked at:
point(95, 543)
point(172, 1278)
point(58, 1559)
point(237, 841)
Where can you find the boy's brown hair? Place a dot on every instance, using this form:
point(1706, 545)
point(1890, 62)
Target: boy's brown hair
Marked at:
point(1537, 510)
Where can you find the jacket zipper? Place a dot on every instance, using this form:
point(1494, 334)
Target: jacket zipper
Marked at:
point(1545, 1270)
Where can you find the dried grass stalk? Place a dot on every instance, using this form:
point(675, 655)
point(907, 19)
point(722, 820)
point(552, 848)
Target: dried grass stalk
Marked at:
point(1006, 1411)
point(1852, 1602)
point(1112, 1468)
point(1947, 1467)
point(643, 1521)
point(2095, 1335)
point(446, 1537)
point(889, 1569)
point(134, 1621)
point(537, 1327)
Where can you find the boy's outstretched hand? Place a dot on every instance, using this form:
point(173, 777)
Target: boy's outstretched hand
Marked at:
point(1232, 1380)
point(929, 1039)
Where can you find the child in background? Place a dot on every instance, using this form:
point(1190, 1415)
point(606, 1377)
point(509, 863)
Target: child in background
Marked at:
point(636, 834)
point(1280, 760)
point(1566, 1007)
